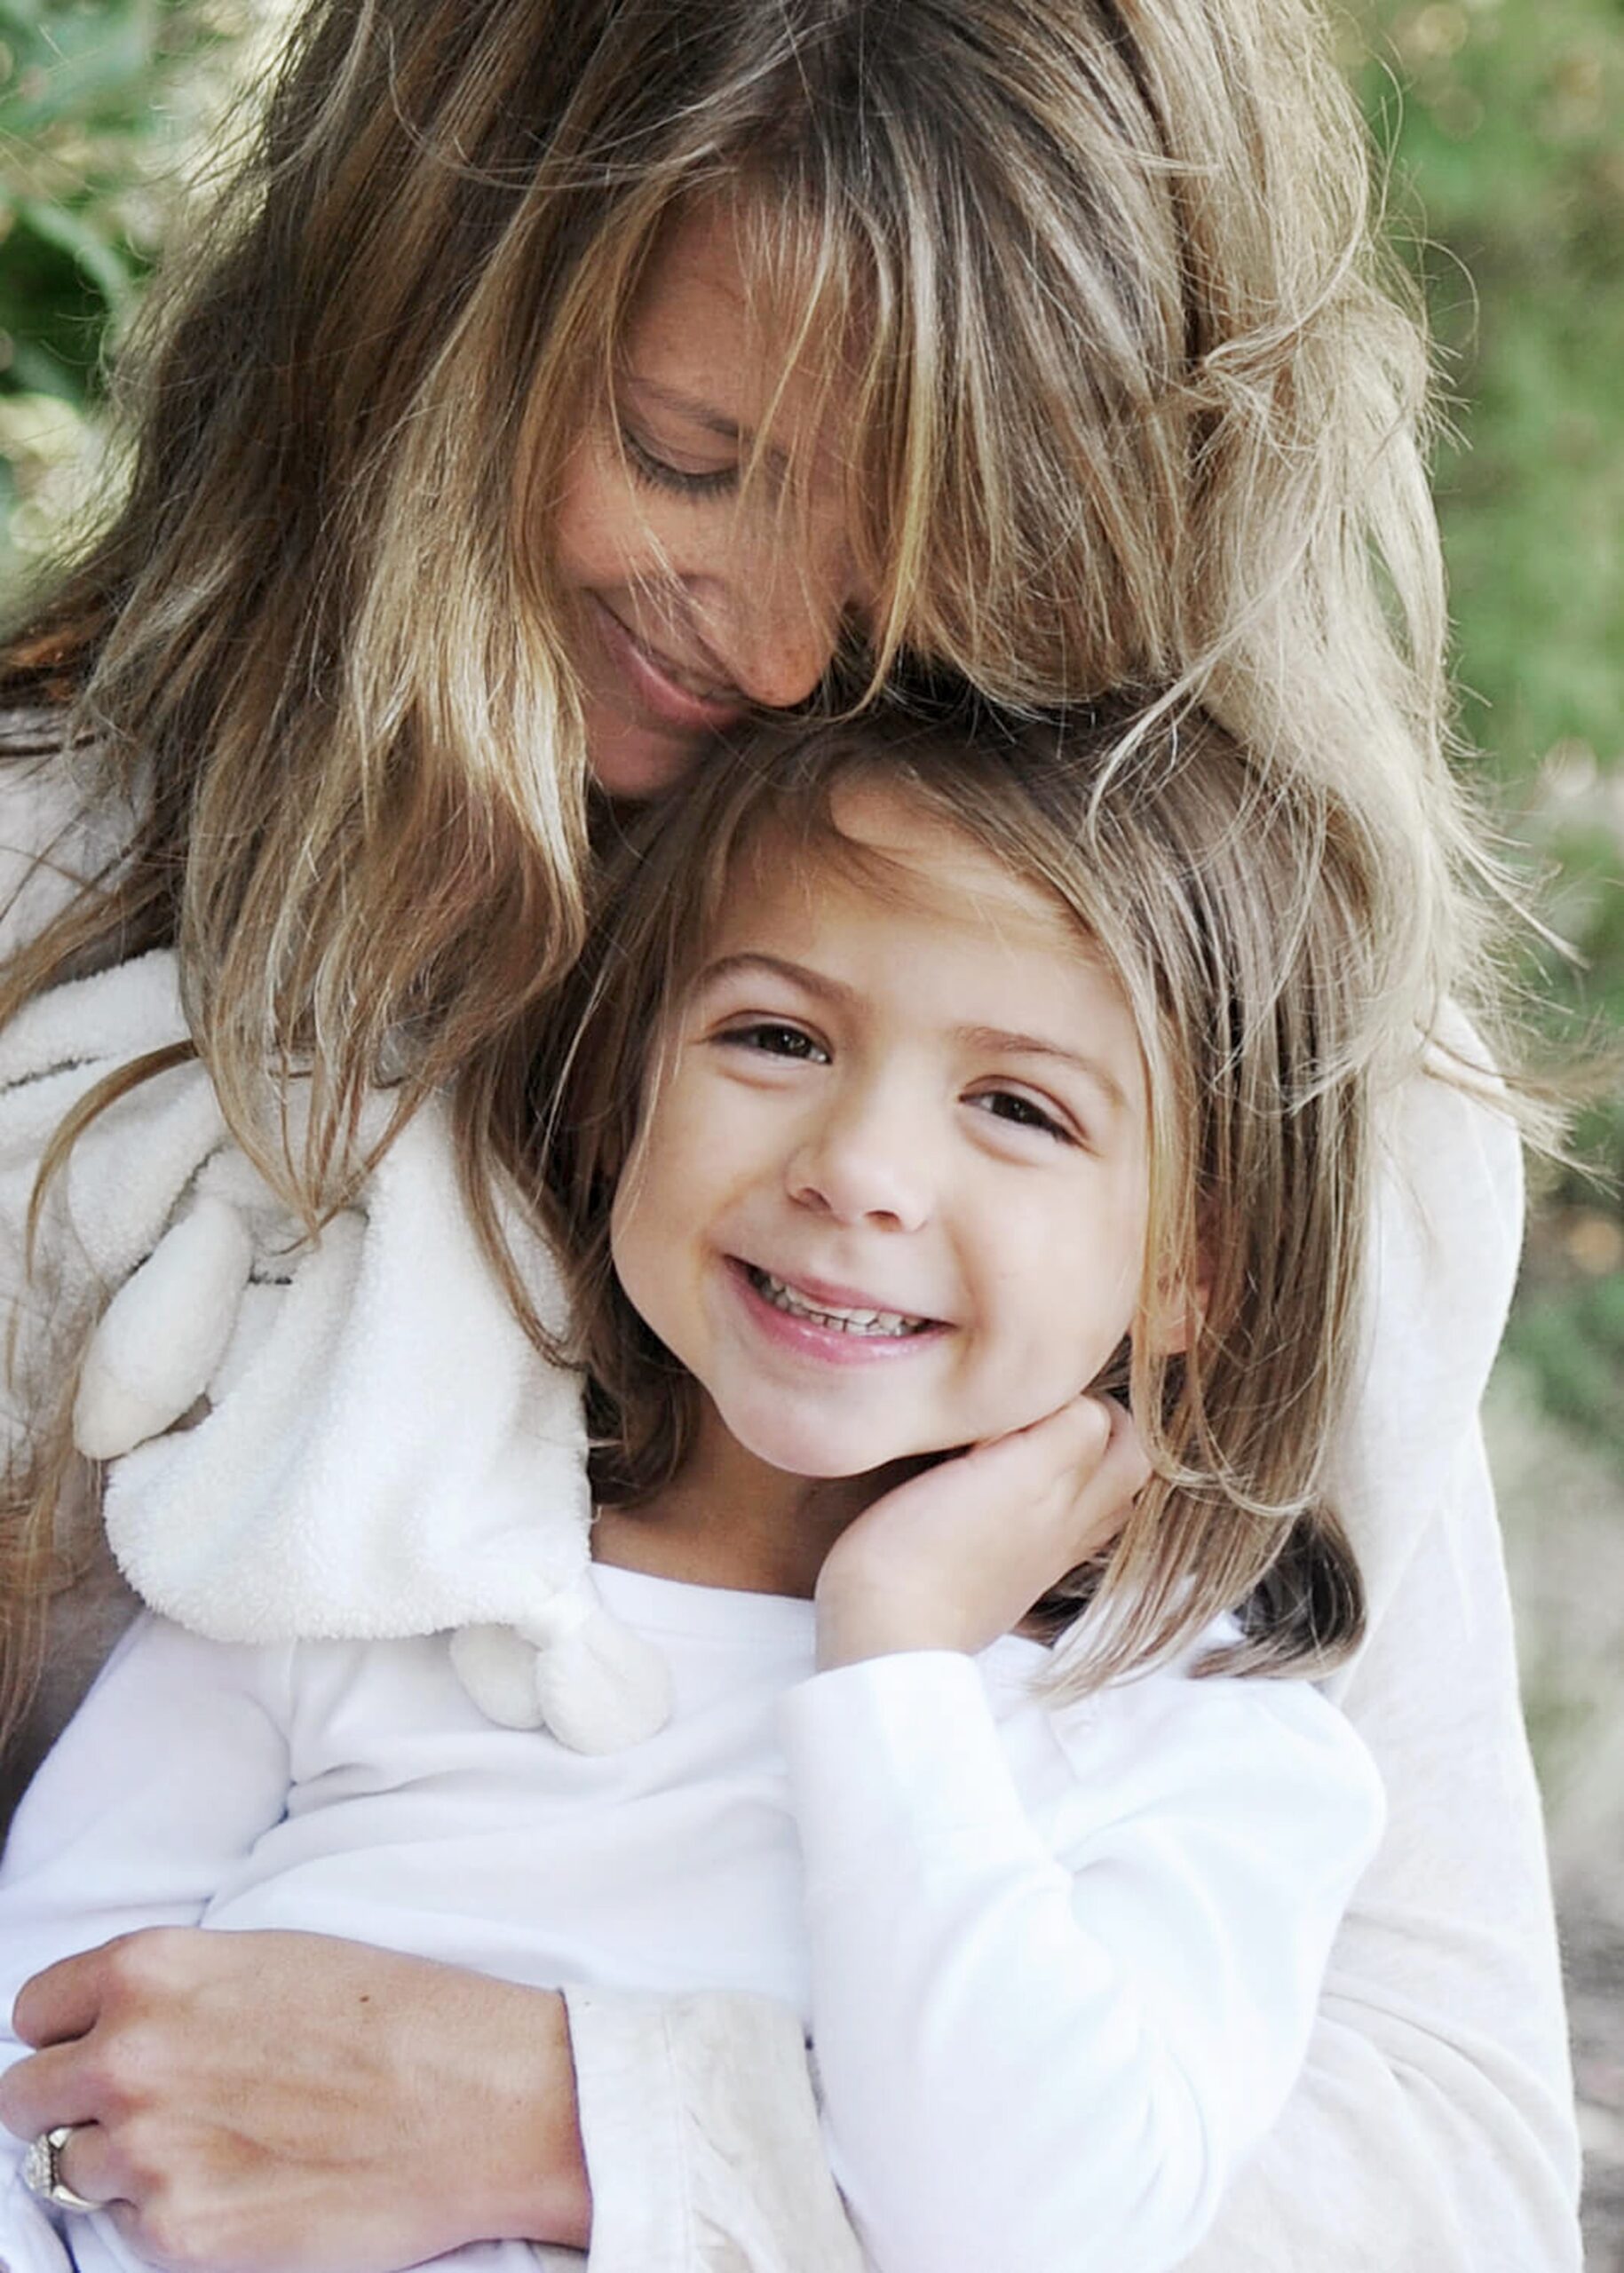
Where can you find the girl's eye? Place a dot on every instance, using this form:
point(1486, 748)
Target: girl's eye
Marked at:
point(1023, 1111)
point(659, 473)
point(774, 1038)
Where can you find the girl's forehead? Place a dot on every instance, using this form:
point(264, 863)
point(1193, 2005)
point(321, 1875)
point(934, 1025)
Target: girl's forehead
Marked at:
point(882, 851)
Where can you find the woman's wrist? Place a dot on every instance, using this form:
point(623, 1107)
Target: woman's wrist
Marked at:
point(512, 2158)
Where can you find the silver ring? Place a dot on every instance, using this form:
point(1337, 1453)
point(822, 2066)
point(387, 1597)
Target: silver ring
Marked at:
point(40, 2174)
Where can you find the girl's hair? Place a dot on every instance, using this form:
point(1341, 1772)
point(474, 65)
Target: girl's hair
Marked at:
point(1236, 914)
point(1130, 404)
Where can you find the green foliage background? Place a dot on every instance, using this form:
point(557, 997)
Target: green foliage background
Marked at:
point(1500, 123)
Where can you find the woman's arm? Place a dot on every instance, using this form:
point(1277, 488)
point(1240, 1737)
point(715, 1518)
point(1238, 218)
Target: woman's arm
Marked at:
point(1435, 2116)
point(273, 2101)
point(251, 2096)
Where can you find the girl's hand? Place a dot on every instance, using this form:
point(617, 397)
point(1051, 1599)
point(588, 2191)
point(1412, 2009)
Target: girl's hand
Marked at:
point(281, 2103)
point(958, 1555)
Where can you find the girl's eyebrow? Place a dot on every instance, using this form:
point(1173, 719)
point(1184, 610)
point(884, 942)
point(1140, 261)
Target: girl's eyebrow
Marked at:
point(1001, 1042)
point(707, 416)
point(815, 982)
point(1004, 1043)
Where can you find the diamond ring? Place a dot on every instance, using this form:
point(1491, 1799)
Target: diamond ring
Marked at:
point(42, 2173)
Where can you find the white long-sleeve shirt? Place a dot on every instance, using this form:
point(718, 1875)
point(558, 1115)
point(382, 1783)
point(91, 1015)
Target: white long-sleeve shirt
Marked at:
point(1060, 1966)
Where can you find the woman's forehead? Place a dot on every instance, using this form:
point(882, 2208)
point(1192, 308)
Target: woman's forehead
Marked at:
point(712, 338)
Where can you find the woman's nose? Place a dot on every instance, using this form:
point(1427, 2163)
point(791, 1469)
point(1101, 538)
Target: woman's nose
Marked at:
point(865, 1163)
point(778, 649)
point(786, 666)
point(779, 628)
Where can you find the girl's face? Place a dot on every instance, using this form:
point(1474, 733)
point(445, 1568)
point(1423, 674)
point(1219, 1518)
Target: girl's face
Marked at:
point(694, 604)
point(890, 1193)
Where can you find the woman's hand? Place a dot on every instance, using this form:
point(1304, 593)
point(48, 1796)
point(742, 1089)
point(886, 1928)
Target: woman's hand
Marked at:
point(281, 2103)
point(958, 1555)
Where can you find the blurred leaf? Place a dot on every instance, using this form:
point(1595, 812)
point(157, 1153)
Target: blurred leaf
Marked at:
point(63, 280)
point(71, 233)
point(87, 63)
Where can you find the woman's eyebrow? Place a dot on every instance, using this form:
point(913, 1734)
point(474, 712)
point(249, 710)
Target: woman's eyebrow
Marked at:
point(707, 416)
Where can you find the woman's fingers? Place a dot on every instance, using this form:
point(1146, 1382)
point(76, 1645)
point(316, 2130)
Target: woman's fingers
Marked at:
point(56, 2085)
point(83, 2165)
point(63, 1999)
point(279, 2102)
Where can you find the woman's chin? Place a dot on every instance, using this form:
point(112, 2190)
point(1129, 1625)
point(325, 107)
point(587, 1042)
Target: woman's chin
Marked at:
point(632, 763)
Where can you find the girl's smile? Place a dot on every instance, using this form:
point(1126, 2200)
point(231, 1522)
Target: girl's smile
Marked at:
point(840, 1325)
point(889, 1190)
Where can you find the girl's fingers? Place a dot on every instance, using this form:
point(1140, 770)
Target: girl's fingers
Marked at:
point(1086, 1457)
point(1121, 1474)
point(958, 1555)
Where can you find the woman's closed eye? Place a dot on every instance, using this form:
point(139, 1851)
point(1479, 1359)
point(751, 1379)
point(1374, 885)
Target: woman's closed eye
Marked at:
point(657, 473)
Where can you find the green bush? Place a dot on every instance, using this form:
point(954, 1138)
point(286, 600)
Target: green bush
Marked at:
point(98, 105)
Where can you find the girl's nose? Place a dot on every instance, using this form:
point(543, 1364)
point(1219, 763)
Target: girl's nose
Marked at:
point(864, 1165)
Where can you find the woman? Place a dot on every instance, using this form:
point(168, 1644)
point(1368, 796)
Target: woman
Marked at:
point(554, 392)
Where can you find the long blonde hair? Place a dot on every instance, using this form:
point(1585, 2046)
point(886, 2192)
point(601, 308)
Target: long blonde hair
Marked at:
point(1234, 910)
point(1130, 405)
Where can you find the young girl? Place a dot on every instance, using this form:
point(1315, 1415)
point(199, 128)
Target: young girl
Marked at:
point(919, 1073)
point(561, 379)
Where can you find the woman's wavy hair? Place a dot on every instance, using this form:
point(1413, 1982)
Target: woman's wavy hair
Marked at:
point(1235, 909)
point(1132, 401)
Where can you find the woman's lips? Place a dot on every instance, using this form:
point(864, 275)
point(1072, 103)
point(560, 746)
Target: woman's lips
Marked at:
point(652, 679)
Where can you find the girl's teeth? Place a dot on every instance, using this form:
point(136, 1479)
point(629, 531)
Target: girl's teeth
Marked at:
point(783, 1298)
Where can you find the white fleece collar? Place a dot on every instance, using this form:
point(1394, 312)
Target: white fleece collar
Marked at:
point(375, 1447)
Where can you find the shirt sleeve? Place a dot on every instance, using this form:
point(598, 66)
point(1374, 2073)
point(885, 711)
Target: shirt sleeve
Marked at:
point(1045, 2049)
point(701, 2136)
point(173, 1766)
point(1435, 2114)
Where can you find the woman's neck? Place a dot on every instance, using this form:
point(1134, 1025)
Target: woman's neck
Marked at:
point(729, 1520)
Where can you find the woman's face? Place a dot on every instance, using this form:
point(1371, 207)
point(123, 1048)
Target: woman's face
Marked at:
point(695, 596)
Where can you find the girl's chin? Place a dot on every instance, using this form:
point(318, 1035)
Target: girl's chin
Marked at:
point(821, 1457)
